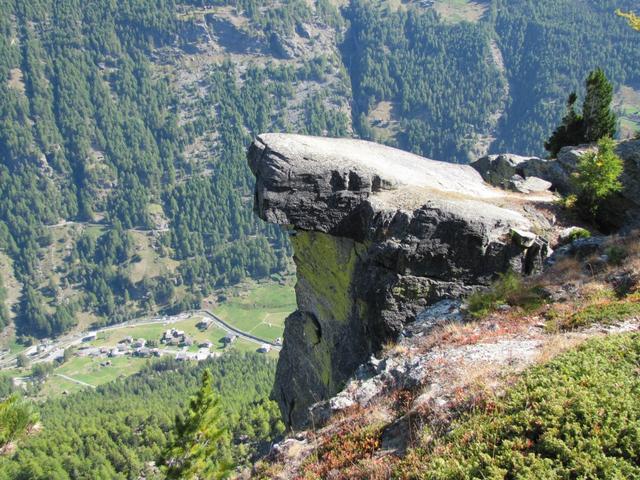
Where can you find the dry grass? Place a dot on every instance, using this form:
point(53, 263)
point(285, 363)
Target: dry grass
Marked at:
point(567, 270)
point(597, 291)
point(556, 345)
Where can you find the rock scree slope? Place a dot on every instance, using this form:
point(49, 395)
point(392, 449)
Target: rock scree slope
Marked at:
point(378, 235)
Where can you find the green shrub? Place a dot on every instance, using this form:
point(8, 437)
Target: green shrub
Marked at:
point(603, 309)
point(616, 254)
point(17, 416)
point(577, 234)
point(575, 417)
point(597, 177)
point(510, 290)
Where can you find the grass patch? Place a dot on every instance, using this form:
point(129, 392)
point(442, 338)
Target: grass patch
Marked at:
point(55, 386)
point(151, 264)
point(148, 332)
point(575, 417)
point(509, 290)
point(95, 375)
point(456, 11)
point(261, 310)
point(89, 370)
point(604, 312)
point(577, 234)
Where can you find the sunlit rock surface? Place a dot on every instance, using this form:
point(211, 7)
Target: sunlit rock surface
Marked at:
point(378, 235)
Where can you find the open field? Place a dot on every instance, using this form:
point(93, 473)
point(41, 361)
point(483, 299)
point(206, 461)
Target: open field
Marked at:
point(455, 11)
point(383, 122)
point(151, 263)
point(260, 311)
point(55, 386)
point(88, 370)
point(626, 104)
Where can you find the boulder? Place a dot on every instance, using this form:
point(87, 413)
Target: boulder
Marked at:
point(529, 185)
point(499, 169)
point(533, 174)
point(379, 235)
point(523, 174)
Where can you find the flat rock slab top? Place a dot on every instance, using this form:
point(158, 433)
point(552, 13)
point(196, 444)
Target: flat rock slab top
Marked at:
point(314, 183)
point(395, 167)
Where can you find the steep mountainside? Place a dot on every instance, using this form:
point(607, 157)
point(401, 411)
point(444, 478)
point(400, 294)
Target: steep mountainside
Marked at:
point(123, 125)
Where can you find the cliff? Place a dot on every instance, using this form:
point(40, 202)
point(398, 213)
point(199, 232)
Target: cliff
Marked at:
point(379, 235)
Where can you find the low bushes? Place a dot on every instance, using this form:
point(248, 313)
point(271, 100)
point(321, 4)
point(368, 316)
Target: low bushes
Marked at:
point(509, 290)
point(575, 417)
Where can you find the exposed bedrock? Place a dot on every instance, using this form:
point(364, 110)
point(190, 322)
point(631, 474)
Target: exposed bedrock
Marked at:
point(378, 235)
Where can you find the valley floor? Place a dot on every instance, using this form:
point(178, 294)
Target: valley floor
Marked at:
point(253, 317)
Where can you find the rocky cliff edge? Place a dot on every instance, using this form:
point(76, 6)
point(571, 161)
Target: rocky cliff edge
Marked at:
point(379, 234)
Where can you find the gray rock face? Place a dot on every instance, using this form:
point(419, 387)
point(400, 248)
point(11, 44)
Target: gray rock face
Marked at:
point(525, 174)
point(379, 234)
point(532, 174)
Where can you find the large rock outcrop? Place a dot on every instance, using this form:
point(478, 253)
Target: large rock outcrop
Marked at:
point(504, 170)
point(378, 235)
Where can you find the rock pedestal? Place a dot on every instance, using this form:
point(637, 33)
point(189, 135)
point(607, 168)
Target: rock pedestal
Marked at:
point(378, 235)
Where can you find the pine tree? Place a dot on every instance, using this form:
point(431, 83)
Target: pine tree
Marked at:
point(193, 456)
point(17, 417)
point(570, 131)
point(597, 176)
point(599, 119)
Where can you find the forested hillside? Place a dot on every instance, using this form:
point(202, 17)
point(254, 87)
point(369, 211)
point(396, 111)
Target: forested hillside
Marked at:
point(121, 430)
point(425, 70)
point(92, 132)
point(123, 125)
point(549, 47)
point(449, 87)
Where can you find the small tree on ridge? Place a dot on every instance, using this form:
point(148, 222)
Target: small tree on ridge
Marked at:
point(597, 177)
point(599, 119)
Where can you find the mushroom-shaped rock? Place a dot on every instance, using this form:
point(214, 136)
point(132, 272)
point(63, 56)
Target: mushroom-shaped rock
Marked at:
point(378, 234)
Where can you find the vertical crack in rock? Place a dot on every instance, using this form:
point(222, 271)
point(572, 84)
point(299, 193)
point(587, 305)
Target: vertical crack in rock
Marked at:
point(378, 235)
